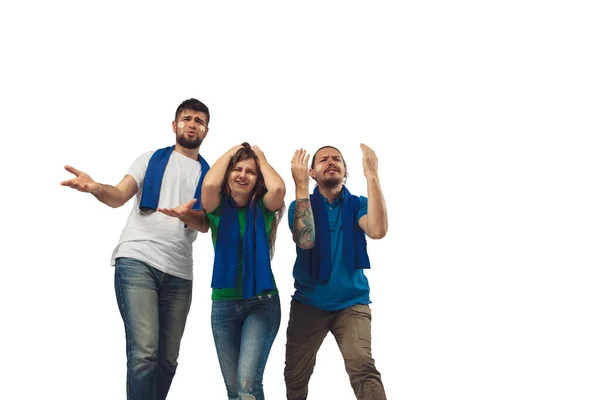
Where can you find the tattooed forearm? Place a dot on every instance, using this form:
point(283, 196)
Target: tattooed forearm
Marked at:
point(303, 230)
point(305, 237)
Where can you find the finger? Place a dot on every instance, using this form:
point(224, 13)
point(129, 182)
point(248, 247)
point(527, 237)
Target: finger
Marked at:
point(187, 206)
point(166, 211)
point(301, 154)
point(364, 147)
point(295, 156)
point(72, 170)
point(306, 158)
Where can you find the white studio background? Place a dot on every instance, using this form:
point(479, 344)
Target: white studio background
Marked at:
point(484, 116)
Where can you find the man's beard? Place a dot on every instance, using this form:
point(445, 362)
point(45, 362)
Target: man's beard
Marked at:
point(330, 183)
point(189, 143)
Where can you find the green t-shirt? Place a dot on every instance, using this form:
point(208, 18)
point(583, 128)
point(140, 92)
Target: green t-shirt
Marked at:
point(213, 220)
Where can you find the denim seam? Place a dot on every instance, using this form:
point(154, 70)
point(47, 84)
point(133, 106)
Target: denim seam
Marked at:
point(127, 333)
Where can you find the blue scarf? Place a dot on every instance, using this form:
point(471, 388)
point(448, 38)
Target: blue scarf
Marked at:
point(154, 176)
point(256, 261)
point(318, 259)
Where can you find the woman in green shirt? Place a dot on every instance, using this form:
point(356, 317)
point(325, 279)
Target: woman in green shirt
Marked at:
point(243, 197)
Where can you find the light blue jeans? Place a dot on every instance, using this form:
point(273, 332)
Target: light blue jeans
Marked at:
point(154, 307)
point(244, 331)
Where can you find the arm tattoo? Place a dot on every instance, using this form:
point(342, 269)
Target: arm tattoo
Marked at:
point(303, 230)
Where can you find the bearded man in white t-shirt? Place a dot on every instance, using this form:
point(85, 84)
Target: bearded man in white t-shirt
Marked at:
point(153, 259)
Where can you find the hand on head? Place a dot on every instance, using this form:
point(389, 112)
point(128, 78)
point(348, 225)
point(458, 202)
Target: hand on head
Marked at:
point(232, 151)
point(259, 153)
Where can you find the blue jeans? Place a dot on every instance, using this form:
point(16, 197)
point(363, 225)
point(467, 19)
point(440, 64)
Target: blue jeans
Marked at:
point(244, 331)
point(154, 307)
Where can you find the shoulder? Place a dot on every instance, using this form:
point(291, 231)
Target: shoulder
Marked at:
point(139, 166)
point(292, 207)
point(144, 158)
point(361, 205)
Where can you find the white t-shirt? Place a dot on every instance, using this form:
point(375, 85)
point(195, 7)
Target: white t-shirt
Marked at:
point(152, 237)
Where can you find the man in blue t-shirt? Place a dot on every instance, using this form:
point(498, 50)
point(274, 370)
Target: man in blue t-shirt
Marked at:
point(332, 291)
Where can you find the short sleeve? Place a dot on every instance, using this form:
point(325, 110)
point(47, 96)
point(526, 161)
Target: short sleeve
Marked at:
point(291, 212)
point(362, 211)
point(139, 167)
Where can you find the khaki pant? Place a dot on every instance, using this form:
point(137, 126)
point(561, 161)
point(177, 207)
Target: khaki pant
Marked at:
point(351, 327)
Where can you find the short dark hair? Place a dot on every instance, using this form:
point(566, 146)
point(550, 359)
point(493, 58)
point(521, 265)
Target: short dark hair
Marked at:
point(193, 104)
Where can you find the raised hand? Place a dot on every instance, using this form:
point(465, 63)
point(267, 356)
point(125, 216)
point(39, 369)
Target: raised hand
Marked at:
point(82, 181)
point(300, 167)
point(231, 152)
point(370, 161)
point(181, 210)
point(259, 153)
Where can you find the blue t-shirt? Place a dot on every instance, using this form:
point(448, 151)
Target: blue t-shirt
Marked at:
point(345, 288)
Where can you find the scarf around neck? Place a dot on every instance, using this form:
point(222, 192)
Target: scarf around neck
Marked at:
point(154, 176)
point(256, 260)
point(318, 259)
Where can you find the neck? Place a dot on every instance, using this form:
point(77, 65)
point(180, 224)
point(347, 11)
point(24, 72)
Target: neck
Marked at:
point(240, 200)
point(331, 193)
point(191, 153)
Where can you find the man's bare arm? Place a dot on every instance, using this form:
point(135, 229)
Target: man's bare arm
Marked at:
point(375, 223)
point(195, 219)
point(303, 229)
point(113, 196)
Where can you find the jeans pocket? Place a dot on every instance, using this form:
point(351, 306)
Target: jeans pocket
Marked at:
point(128, 262)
